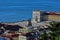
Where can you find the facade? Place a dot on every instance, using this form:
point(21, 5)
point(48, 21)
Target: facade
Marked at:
point(53, 16)
point(39, 16)
point(36, 16)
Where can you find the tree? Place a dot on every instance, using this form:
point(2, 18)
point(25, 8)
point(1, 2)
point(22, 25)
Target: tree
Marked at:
point(43, 36)
point(55, 28)
point(58, 30)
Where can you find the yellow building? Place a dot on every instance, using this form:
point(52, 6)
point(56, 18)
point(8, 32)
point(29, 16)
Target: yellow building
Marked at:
point(52, 16)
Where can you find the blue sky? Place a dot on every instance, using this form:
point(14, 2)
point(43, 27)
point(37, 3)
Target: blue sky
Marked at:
point(17, 10)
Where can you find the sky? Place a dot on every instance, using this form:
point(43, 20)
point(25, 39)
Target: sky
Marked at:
point(17, 10)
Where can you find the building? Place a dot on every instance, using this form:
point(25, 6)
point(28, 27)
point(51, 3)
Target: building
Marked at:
point(52, 16)
point(39, 16)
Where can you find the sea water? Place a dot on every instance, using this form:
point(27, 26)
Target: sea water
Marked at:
point(18, 10)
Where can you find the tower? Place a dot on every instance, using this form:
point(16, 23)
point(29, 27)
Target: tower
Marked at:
point(38, 16)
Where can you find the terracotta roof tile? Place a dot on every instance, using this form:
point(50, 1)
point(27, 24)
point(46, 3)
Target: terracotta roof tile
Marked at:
point(53, 13)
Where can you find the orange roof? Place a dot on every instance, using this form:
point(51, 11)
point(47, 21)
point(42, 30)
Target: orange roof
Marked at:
point(53, 13)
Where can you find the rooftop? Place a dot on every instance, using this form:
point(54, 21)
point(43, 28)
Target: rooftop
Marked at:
point(53, 13)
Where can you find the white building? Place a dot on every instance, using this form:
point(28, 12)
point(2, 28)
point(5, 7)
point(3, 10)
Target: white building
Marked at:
point(37, 18)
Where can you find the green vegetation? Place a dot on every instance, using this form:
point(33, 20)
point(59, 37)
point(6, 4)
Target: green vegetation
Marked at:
point(55, 28)
point(54, 34)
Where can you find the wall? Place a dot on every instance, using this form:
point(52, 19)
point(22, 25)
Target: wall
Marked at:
point(54, 17)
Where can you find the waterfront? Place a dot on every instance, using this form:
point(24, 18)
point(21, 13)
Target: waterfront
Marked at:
point(18, 23)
